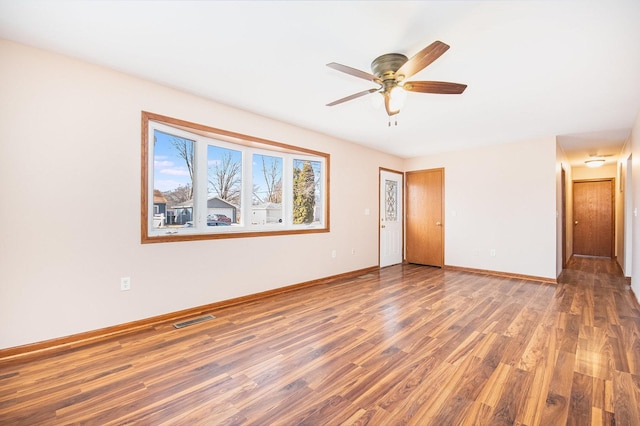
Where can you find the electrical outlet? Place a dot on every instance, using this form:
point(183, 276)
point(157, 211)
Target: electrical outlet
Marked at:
point(333, 254)
point(125, 283)
point(353, 251)
point(492, 252)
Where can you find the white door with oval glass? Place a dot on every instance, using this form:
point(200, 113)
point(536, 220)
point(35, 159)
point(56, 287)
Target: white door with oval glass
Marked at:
point(391, 218)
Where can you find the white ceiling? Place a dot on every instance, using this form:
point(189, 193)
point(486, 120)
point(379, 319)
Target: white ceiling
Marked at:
point(568, 68)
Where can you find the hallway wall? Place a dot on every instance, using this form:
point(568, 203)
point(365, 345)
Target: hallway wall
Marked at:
point(635, 222)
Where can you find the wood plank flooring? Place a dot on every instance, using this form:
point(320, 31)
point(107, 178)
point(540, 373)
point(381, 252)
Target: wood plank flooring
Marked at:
point(405, 345)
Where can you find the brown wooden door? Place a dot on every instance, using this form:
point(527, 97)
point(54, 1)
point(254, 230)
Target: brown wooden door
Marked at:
point(425, 225)
point(593, 218)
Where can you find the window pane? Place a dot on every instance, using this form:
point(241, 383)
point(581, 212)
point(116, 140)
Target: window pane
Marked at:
point(391, 200)
point(225, 186)
point(173, 163)
point(307, 201)
point(267, 190)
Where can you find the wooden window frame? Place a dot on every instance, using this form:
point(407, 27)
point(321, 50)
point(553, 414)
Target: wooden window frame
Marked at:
point(243, 142)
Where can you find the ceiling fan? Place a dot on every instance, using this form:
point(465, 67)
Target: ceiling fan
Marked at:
point(390, 72)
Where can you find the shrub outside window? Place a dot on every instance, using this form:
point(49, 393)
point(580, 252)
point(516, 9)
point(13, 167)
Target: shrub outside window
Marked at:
point(199, 182)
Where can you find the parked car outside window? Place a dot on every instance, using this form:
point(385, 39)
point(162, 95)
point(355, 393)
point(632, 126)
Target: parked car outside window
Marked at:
point(219, 218)
point(217, 223)
point(209, 223)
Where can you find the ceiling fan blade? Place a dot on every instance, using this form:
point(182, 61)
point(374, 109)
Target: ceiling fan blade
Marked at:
point(441, 87)
point(354, 96)
point(354, 72)
point(421, 59)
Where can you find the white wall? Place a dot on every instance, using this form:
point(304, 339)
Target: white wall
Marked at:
point(501, 197)
point(70, 172)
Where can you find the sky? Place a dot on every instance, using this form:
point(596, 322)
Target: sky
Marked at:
point(170, 170)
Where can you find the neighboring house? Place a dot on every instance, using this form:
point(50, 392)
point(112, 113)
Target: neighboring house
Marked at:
point(266, 213)
point(159, 208)
point(159, 203)
point(182, 214)
point(215, 205)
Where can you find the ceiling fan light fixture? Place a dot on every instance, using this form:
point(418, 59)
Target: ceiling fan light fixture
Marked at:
point(377, 101)
point(596, 162)
point(397, 96)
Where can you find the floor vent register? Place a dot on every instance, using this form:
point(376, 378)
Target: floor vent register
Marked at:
point(193, 321)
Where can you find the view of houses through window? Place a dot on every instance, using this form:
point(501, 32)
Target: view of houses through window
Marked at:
point(202, 185)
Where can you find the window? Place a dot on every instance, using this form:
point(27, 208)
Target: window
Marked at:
point(199, 182)
point(266, 205)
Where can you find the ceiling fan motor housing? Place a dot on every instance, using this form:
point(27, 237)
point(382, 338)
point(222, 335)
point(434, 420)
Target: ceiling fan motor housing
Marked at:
point(384, 67)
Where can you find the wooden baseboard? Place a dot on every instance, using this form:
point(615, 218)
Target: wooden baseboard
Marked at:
point(48, 347)
point(502, 274)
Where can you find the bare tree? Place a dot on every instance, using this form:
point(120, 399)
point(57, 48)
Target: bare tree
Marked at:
point(273, 178)
point(185, 151)
point(257, 198)
point(178, 195)
point(224, 178)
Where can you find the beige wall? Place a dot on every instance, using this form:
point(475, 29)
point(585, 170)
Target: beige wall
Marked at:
point(635, 200)
point(500, 197)
point(562, 163)
point(70, 226)
point(625, 223)
point(620, 217)
point(605, 172)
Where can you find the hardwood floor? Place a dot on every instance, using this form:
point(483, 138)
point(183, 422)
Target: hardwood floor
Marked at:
point(405, 345)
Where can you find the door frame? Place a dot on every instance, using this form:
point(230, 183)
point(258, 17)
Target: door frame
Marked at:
point(402, 219)
point(612, 182)
point(442, 225)
point(563, 183)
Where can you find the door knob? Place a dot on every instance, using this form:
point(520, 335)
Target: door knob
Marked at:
point(438, 224)
point(575, 223)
